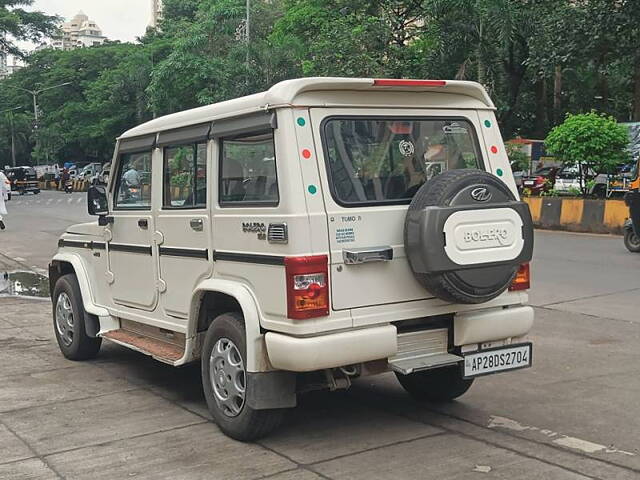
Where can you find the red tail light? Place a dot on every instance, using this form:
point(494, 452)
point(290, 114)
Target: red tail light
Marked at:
point(523, 278)
point(400, 82)
point(540, 180)
point(307, 286)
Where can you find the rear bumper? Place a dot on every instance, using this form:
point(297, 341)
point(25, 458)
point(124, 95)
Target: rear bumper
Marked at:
point(305, 354)
point(329, 351)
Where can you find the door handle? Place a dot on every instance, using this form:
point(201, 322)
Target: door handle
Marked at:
point(143, 223)
point(196, 224)
point(355, 256)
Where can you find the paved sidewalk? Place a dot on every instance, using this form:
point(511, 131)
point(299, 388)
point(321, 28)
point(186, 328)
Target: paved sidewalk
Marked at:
point(125, 415)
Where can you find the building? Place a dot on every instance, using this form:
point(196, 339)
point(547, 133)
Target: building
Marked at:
point(156, 13)
point(78, 32)
point(6, 68)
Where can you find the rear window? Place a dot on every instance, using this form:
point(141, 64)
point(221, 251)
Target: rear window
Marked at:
point(386, 160)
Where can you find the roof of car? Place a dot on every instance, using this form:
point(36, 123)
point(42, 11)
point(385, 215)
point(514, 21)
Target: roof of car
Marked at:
point(316, 91)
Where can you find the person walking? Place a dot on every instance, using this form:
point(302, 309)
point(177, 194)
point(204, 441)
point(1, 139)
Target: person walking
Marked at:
point(5, 189)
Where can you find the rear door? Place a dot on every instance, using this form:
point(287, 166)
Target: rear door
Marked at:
point(371, 164)
point(183, 221)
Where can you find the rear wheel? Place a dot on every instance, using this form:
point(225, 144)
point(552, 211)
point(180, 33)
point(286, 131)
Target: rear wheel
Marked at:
point(68, 321)
point(224, 380)
point(438, 385)
point(631, 241)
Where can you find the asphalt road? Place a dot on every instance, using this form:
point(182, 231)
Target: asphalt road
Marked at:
point(574, 414)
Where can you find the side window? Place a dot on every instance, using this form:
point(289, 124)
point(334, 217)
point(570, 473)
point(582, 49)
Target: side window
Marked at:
point(248, 171)
point(133, 190)
point(185, 176)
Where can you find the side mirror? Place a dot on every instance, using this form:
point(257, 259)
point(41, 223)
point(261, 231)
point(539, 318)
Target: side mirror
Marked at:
point(97, 200)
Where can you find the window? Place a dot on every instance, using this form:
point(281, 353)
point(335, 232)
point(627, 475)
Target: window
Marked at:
point(185, 176)
point(248, 171)
point(133, 190)
point(386, 160)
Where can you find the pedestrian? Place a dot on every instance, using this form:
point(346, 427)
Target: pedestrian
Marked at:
point(5, 189)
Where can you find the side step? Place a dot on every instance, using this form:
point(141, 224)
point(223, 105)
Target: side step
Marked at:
point(161, 344)
point(422, 350)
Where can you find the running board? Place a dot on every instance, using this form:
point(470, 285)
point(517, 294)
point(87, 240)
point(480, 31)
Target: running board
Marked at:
point(409, 365)
point(422, 350)
point(168, 347)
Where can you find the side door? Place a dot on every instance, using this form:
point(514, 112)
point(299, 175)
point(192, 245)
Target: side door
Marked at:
point(132, 264)
point(183, 222)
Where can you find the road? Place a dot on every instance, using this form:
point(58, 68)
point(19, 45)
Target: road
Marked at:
point(575, 414)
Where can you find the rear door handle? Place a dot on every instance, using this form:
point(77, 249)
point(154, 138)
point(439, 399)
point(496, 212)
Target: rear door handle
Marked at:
point(143, 223)
point(196, 224)
point(355, 256)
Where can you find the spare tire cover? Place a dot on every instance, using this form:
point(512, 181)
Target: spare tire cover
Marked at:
point(466, 235)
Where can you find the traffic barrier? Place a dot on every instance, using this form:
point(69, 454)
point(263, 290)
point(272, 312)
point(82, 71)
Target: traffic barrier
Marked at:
point(577, 214)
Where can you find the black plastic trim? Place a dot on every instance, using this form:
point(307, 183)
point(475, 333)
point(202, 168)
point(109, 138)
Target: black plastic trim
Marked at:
point(374, 203)
point(121, 247)
point(184, 252)
point(81, 244)
point(248, 258)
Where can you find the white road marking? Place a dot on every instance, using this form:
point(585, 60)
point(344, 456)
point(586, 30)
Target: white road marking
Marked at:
point(481, 468)
point(70, 200)
point(59, 200)
point(79, 200)
point(558, 438)
point(49, 201)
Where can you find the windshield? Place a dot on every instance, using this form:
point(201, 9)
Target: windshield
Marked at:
point(385, 161)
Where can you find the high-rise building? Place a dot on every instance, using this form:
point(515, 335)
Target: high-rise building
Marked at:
point(156, 13)
point(80, 31)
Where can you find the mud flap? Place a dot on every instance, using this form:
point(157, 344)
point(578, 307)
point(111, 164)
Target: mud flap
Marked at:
point(266, 390)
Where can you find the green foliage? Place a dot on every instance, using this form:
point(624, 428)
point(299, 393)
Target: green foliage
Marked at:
point(19, 24)
point(589, 140)
point(517, 158)
point(539, 59)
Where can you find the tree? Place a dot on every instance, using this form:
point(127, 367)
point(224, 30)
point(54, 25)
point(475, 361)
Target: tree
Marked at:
point(19, 24)
point(590, 141)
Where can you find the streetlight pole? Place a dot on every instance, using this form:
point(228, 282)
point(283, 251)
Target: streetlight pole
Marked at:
point(13, 136)
point(34, 94)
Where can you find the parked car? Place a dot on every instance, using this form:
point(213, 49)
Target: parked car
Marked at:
point(540, 181)
point(356, 226)
point(23, 180)
point(568, 182)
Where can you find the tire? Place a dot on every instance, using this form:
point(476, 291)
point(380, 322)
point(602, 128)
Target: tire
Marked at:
point(631, 241)
point(452, 191)
point(436, 386)
point(234, 416)
point(70, 331)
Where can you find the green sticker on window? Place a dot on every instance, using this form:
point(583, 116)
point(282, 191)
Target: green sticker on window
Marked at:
point(487, 123)
point(312, 189)
point(301, 121)
point(499, 172)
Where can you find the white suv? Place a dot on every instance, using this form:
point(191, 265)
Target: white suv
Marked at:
point(326, 229)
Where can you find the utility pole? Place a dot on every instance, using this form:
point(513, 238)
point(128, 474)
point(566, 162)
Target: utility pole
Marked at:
point(35, 94)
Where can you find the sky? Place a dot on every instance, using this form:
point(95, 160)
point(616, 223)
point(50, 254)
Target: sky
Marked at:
point(122, 20)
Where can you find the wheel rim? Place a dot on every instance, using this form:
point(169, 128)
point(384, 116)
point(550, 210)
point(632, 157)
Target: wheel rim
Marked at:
point(634, 240)
point(228, 378)
point(64, 319)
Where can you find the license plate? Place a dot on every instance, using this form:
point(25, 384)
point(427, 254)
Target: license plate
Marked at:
point(499, 359)
point(528, 182)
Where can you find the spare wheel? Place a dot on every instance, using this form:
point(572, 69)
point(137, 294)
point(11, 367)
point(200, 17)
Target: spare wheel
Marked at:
point(466, 235)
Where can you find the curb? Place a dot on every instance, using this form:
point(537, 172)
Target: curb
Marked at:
point(577, 214)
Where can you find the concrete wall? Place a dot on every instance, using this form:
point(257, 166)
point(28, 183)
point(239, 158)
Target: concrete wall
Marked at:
point(578, 215)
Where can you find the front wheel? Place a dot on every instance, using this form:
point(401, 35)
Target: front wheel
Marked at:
point(631, 241)
point(438, 385)
point(68, 321)
point(224, 380)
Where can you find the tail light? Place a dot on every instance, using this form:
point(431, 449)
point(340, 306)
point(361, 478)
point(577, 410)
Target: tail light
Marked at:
point(307, 286)
point(540, 180)
point(401, 82)
point(523, 278)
